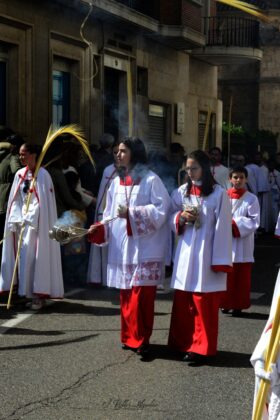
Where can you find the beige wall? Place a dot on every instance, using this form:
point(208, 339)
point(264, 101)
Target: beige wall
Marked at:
point(269, 94)
point(39, 37)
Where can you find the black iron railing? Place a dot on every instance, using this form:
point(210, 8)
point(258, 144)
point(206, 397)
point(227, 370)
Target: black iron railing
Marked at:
point(140, 6)
point(231, 32)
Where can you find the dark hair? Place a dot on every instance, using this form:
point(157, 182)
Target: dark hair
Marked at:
point(207, 178)
point(16, 140)
point(5, 132)
point(106, 140)
point(215, 148)
point(33, 149)
point(176, 148)
point(238, 168)
point(137, 149)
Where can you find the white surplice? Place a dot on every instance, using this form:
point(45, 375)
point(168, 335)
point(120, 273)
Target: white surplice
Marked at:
point(277, 228)
point(39, 269)
point(272, 411)
point(246, 215)
point(221, 175)
point(274, 181)
point(253, 177)
point(98, 257)
point(137, 260)
point(209, 245)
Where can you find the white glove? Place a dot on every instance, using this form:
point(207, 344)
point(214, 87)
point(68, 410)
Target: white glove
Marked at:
point(272, 375)
point(275, 376)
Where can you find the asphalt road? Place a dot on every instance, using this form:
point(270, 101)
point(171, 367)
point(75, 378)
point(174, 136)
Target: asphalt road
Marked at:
point(65, 361)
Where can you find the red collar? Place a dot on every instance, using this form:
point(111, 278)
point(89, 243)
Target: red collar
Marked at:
point(196, 190)
point(127, 180)
point(236, 193)
point(28, 169)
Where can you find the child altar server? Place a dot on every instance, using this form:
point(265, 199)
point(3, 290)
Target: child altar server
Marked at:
point(245, 221)
point(202, 219)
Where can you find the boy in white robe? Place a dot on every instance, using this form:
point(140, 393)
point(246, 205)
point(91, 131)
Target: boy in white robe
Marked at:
point(39, 274)
point(245, 221)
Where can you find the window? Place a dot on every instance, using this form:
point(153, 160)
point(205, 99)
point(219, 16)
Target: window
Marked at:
point(3, 93)
point(61, 98)
point(142, 81)
point(158, 125)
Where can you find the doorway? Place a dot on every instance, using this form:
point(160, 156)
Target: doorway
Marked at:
point(115, 102)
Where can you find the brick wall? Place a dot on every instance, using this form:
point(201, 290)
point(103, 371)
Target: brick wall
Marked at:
point(191, 15)
point(181, 12)
point(170, 12)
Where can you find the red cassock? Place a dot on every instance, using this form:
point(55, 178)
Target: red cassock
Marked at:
point(244, 223)
point(203, 258)
point(238, 291)
point(194, 322)
point(137, 315)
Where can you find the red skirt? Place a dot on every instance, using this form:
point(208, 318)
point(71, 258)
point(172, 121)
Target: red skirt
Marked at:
point(194, 322)
point(237, 295)
point(137, 315)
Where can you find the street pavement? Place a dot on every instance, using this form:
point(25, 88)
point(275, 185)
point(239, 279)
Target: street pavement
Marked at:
point(66, 362)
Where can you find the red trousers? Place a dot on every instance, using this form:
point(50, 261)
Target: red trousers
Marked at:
point(194, 322)
point(137, 315)
point(237, 295)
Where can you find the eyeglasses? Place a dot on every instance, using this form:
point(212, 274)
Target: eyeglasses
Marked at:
point(26, 185)
point(192, 169)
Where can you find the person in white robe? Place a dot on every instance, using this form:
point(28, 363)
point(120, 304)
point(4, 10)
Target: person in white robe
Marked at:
point(39, 274)
point(253, 177)
point(219, 171)
point(98, 257)
point(264, 188)
point(271, 410)
point(274, 182)
point(137, 240)
point(245, 221)
point(277, 227)
point(201, 216)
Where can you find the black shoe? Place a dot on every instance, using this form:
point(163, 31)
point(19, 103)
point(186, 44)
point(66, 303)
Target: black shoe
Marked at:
point(143, 350)
point(195, 358)
point(225, 311)
point(237, 312)
point(126, 347)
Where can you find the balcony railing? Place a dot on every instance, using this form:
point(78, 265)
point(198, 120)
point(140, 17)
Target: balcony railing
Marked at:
point(139, 6)
point(231, 32)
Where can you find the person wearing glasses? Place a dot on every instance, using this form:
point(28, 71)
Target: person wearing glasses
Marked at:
point(31, 210)
point(201, 217)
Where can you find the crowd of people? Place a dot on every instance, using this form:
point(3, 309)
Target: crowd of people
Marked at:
point(144, 213)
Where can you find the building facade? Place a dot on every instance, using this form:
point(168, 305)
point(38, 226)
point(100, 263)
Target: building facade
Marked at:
point(255, 86)
point(99, 63)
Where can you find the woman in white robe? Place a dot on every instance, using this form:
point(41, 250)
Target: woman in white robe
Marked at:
point(98, 257)
point(39, 274)
point(137, 241)
point(202, 219)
